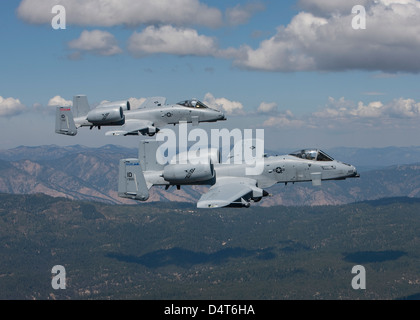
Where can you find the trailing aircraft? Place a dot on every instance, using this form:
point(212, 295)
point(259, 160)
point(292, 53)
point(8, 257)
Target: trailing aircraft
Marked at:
point(231, 184)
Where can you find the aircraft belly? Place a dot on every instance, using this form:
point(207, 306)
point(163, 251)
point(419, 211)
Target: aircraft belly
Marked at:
point(330, 174)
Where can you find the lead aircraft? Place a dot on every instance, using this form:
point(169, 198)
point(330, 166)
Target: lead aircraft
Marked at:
point(153, 114)
point(230, 184)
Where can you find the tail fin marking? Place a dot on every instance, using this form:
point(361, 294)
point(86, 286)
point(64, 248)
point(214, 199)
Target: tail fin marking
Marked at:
point(131, 182)
point(64, 121)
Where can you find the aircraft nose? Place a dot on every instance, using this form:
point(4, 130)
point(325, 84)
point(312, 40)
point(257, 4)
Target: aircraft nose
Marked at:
point(355, 173)
point(218, 115)
point(212, 115)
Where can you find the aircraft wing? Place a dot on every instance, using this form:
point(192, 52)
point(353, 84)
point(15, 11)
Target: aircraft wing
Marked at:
point(153, 102)
point(228, 191)
point(133, 127)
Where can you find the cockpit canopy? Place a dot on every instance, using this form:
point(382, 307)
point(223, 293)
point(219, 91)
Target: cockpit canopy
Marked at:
point(193, 103)
point(312, 154)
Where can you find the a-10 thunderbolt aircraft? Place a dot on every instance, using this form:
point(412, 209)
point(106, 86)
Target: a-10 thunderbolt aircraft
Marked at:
point(153, 114)
point(230, 185)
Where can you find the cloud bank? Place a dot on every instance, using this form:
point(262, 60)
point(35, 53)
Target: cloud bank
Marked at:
point(340, 113)
point(323, 39)
point(109, 13)
point(318, 38)
point(10, 107)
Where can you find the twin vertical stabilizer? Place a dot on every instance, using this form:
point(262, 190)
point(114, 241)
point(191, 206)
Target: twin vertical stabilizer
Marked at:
point(64, 121)
point(131, 182)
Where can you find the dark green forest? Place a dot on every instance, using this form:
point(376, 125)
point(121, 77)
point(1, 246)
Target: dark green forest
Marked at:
point(175, 251)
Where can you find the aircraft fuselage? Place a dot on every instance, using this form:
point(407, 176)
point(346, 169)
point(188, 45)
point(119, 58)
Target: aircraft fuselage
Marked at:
point(161, 116)
point(276, 169)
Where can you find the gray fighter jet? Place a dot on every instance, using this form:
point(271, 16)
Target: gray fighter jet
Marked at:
point(230, 185)
point(145, 120)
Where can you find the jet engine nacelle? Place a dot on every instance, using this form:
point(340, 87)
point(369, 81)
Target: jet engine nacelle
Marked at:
point(106, 116)
point(186, 173)
point(125, 105)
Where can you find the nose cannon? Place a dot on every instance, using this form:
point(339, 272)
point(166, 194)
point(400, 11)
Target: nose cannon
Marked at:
point(353, 172)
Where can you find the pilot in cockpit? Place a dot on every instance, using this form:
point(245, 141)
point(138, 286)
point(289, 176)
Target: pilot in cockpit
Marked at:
point(311, 155)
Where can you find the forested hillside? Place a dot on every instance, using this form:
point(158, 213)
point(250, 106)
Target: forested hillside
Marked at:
point(174, 251)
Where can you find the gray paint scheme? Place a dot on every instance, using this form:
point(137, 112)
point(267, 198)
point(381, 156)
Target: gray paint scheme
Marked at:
point(64, 122)
point(229, 183)
point(147, 119)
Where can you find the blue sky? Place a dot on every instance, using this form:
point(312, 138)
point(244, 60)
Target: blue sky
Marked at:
point(297, 69)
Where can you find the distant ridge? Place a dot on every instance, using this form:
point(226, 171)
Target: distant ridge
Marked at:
point(389, 201)
point(83, 173)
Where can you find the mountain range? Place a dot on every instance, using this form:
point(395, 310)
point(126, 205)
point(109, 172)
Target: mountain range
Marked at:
point(82, 173)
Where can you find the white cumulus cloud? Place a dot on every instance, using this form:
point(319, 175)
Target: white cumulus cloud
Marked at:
point(331, 7)
point(10, 107)
point(171, 40)
point(59, 101)
point(97, 42)
point(284, 119)
point(349, 115)
point(226, 105)
point(107, 13)
point(328, 42)
point(240, 14)
point(267, 107)
point(344, 109)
